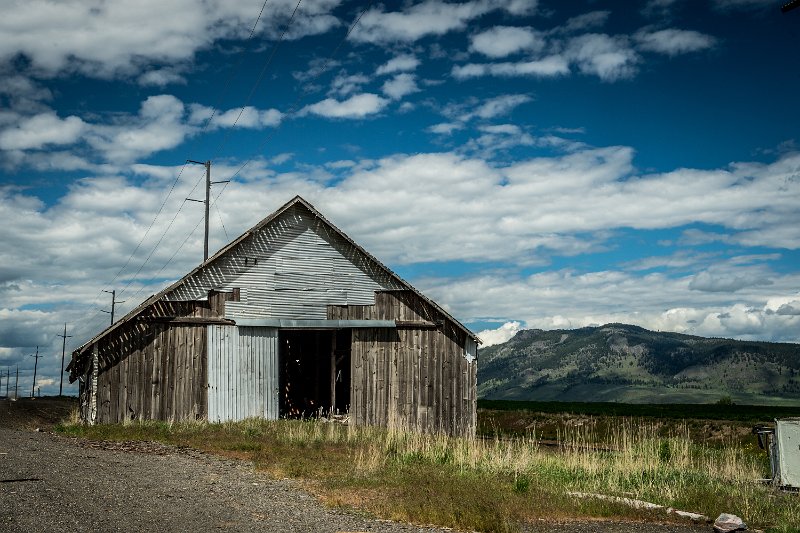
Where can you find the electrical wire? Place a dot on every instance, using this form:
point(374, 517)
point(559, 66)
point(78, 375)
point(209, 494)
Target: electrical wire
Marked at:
point(268, 138)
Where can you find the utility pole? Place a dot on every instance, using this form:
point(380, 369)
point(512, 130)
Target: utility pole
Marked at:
point(114, 302)
point(16, 384)
point(63, 351)
point(8, 378)
point(207, 201)
point(35, 367)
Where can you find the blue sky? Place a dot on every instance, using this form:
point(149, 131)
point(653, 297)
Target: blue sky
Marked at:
point(526, 164)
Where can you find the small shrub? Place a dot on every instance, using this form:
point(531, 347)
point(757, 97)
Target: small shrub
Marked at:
point(521, 484)
point(664, 451)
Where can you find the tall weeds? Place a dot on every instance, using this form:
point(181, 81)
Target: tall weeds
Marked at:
point(630, 458)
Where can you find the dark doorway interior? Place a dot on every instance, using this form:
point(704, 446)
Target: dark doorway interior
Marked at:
point(311, 362)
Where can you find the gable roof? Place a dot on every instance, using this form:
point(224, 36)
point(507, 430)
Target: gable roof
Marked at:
point(297, 200)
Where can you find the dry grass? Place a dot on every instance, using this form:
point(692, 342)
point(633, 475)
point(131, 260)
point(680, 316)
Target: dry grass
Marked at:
point(491, 484)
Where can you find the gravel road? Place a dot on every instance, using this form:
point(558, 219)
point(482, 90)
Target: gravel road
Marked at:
point(53, 483)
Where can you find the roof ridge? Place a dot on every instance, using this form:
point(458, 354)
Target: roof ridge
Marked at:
point(297, 199)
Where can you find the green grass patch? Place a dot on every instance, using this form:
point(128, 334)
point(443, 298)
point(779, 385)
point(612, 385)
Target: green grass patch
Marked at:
point(717, 411)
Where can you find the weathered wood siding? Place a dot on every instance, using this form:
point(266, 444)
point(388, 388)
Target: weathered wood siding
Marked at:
point(163, 379)
point(157, 370)
point(410, 377)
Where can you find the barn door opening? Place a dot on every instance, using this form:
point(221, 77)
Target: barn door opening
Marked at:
point(314, 372)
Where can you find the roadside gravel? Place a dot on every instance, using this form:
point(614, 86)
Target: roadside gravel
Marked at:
point(53, 483)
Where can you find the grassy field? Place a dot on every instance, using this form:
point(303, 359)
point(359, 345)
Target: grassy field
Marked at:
point(494, 483)
point(710, 425)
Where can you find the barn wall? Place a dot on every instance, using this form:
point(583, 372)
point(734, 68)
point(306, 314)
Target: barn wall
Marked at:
point(162, 378)
point(154, 369)
point(411, 377)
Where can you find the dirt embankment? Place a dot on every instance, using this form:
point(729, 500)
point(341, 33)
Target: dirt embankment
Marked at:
point(32, 413)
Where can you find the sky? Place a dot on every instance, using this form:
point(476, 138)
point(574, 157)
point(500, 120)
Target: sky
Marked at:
point(526, 164)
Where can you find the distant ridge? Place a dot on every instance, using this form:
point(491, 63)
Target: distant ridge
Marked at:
point(625, 363)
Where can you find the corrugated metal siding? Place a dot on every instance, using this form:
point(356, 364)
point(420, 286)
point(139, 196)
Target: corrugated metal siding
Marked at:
point(293, 268)
point(242, 373)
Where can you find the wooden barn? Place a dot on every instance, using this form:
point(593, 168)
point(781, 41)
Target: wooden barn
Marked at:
point(291, 319)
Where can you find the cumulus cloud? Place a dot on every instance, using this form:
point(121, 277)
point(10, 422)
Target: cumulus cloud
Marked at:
point(584, 22)
point(162, 122)
point(357, 106)
point(118, 38)
point(483, 207)
point(673, 41)
point(401, 63)
point(344, 84)
point(546, 67)
point(430, 17)
point(22, 94)
point(158, 126)
point(724, 278)
point(245, 117)
point(42, 130)
point(499, 105)
point(490, 337)
point(729, 5)
point(502, 41)
point(160, 78)
point(446, 128)
point(564, 300)
point(609, 58)
point(400, 86)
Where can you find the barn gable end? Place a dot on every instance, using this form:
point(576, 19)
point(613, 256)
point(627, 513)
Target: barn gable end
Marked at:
point(291, 318)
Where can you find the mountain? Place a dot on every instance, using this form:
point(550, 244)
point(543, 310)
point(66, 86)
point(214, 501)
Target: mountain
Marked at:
point(624, 363)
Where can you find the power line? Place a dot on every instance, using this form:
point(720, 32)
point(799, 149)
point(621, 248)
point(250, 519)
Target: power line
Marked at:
point(304, 93)
point(269, 137)
point(224, 91)
point(225, 138)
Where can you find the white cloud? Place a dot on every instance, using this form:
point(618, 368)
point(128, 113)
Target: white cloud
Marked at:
point(161, 123)
point(506, 129)
point(730, 277)
point(490, 337)
point(22, 94)
point(609, 58)
point(726, 5)
point(160, 78)
point(546, 67)
point(401, 63)
point(245, 117)
point(446, 128)
point(400, 86)
point(499, 105)
point(38, 131)
point(357, 106)
point(566, 300)
point(586, 21)
point(673, 41)
point(344, 84)
point(430, 17)
point(399, 207)
point(502, 41)
point(159, 126)
point(116, 37)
